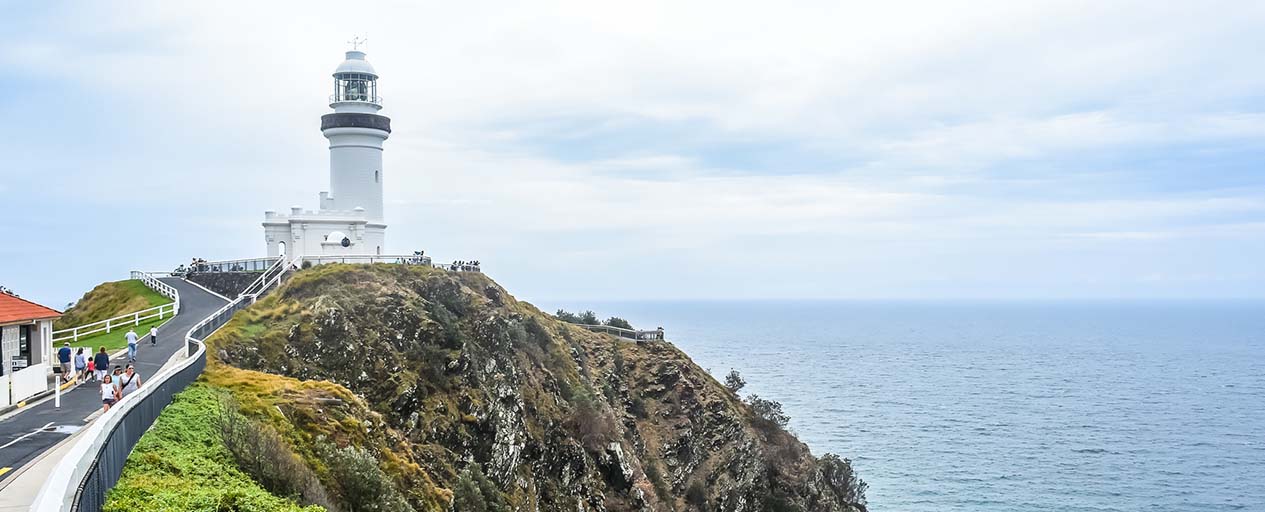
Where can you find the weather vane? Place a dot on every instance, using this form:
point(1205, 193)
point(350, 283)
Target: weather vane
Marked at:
point(357, 42)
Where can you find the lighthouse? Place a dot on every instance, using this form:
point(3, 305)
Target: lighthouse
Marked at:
point(349, 217)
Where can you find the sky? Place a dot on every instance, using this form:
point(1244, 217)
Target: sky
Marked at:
point(659, 150)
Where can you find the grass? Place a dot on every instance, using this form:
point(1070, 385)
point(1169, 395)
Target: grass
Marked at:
point(114, 339)
point(181, 464)
point(109, 300)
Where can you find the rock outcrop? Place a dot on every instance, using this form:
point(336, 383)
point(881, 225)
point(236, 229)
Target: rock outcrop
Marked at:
point(440, 373)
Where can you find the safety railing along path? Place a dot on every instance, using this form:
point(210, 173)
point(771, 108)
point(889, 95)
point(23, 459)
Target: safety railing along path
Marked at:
point(95, 461)
point(134, 318)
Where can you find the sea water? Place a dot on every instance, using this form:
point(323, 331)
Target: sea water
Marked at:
point(1004, 406)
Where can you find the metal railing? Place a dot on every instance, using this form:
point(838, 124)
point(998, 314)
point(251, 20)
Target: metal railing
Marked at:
point(134, 318)
point(628, 334)
point(242, 265)
point(400, 259)
point(95, 461)
point(403, 259)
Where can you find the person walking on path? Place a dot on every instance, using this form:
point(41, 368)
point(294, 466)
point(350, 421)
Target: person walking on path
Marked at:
point(117, 380)
point(63, 356)
point(131, 345)
point(153, 336)
point(81, 365)
point(109, 394)
point(129, 382)
point(101, 364)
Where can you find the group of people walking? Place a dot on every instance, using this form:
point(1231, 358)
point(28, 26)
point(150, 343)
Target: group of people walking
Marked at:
point(115, 384)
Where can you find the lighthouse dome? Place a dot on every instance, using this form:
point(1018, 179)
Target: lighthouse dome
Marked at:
point(355, 63)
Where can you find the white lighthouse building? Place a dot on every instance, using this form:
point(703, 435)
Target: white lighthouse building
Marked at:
point(349, 218)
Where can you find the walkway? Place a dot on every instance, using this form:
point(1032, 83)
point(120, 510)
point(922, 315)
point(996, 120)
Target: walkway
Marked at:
point(27, 433)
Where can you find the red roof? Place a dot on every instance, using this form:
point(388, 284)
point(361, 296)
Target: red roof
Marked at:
point(13, 309)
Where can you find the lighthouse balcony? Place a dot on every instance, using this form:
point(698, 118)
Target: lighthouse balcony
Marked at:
point(336, 99)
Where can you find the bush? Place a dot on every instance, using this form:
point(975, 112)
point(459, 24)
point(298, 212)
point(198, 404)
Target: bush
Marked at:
point(474, 492)
point(567, 316)
point(363, 485)
point(589, 318)
point(261, 453)
point(734, 382)
point(769, 410)
point(615, 321)
point(591, 425)
point(306, 264)
point(696, 495)
point(840, 478)
point(181, 464)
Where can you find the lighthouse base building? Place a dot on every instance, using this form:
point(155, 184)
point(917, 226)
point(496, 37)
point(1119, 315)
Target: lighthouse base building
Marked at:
point(348, 219)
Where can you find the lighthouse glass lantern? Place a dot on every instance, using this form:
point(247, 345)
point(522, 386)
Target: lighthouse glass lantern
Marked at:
point(355, 87)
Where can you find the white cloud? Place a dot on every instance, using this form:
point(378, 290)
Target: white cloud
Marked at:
point(889, 125)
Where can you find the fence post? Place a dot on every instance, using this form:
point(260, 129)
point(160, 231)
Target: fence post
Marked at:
point(137, 318)
point(107, 326)
point(75, 334)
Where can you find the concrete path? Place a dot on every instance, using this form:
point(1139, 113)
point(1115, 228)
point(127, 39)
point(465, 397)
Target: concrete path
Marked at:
point(39, 427)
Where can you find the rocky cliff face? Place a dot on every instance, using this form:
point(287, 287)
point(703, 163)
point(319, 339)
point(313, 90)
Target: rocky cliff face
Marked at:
point(470, 399)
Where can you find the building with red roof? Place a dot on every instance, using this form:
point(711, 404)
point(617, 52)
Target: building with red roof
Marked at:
point(26, 342)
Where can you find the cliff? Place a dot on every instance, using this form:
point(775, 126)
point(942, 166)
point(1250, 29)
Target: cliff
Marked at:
point(466, 399)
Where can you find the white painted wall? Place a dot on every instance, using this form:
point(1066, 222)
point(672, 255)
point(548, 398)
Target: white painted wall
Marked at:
point(4, 395)
point(29, 381)
point(355, 169)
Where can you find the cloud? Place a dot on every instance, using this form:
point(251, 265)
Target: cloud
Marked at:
point(588, 139)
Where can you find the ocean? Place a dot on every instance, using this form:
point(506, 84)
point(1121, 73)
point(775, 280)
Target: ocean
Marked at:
point(1004, 406)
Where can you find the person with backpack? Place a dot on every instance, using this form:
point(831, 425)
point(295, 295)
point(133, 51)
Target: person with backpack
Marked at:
point(129, 382)
point(153, 336)
point(101, 364)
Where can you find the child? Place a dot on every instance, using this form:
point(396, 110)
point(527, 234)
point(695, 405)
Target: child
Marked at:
point(109, 393)
point(92, 369)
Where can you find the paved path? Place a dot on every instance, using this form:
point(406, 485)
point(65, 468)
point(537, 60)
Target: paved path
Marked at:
point(40, 426)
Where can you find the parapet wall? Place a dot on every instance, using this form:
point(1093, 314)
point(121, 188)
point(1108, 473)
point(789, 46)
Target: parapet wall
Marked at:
point(228, 284)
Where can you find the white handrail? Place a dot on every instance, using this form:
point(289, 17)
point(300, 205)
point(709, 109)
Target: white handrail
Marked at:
point(133, 318)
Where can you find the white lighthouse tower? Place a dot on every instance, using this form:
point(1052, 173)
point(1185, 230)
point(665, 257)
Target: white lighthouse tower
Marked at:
point(349, 218)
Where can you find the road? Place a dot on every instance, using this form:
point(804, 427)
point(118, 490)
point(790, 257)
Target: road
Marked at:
point(40, 426)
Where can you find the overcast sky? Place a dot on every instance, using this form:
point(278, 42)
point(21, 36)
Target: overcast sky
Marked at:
point(587, 150)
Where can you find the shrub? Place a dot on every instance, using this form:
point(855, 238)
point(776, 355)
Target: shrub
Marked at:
point(840, 478)
point(474, 492)
point(261, 453)
point(769, 411)
point(567, 316)
point(615, 321)
point(589, 318)
point(591, 425)
point(307, 264)
point(734, 382)
point(696, 495)
point(363, 486)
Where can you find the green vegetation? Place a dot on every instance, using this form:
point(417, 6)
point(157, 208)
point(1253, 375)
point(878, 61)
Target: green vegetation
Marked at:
point(109, 300)
point(475, 492)
point(114, 339)
point(398, 388)
point(734, 381)
point(590, 318)
point(181, 464)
